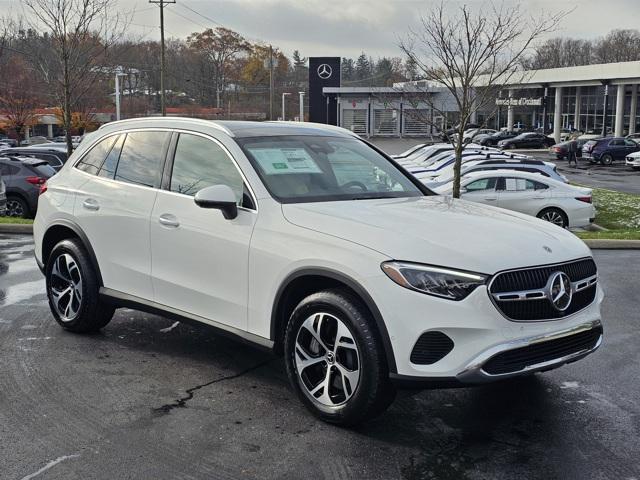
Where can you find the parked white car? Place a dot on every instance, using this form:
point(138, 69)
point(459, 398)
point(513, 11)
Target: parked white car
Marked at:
point(633, 160)
point(529, 193)
point(304, 239)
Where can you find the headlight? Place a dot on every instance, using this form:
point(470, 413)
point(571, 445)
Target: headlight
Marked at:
point(436, 281)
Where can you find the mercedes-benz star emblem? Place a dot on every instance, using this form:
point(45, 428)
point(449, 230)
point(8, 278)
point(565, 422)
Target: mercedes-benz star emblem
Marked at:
point(325, 71)
point(559, 291)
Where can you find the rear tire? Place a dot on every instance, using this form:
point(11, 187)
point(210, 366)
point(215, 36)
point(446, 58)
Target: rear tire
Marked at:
point(555, 216)
point(331, 344)
point(72, 289)
point(17, 207)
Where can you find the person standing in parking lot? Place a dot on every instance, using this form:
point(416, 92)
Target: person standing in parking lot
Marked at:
point(573, 151)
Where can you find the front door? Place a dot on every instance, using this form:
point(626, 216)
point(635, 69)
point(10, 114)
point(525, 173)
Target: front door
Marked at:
point(200, 259)
point(482, 190)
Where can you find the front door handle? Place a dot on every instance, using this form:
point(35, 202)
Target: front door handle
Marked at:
point(491, 199)
point(91, 204)
point(538, 198)
point(169, 220)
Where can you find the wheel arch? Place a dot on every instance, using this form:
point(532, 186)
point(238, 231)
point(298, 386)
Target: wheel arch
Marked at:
point(66, 229)
point(301, 283)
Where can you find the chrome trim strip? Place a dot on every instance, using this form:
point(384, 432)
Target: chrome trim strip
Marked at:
point(159, 309)
point(474, 373)
point(542, 293)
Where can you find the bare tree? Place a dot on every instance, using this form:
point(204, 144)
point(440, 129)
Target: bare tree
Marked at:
point(20, 96)
point(471, 56)
point(80, 34)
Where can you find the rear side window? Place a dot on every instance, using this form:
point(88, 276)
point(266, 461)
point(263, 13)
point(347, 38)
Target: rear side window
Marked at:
point(92, 161)
point(141, 158)
point(108, 168)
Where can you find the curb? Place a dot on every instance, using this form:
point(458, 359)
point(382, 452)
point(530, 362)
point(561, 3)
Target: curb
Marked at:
point(604, 244)
point(17, 228)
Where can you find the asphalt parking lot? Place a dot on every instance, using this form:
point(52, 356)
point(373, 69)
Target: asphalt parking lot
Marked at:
point(149, 399)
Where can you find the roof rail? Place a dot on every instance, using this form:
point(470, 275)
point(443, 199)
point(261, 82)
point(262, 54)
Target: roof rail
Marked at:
point(210, 123)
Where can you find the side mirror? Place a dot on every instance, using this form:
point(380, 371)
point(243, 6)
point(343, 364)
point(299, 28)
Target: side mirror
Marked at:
point(220, 197)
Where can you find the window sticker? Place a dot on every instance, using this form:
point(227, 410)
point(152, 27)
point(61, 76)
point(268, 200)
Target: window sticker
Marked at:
point(279, 161)
point(515, 184)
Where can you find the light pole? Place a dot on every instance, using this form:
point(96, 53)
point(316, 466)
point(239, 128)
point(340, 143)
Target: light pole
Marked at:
point(118, 75)
point(284, 94)
point(301, 106)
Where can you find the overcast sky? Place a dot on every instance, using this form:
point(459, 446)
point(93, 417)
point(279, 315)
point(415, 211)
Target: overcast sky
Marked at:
point(348, 27)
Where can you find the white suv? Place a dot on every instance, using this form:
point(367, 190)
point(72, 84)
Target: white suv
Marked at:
point(305, 239)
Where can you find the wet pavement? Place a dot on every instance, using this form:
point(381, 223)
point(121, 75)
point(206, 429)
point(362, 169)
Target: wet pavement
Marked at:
point(149, 399)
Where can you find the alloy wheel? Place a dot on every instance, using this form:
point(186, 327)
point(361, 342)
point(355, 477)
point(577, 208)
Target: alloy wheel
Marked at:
point(327, 359)
point(14, 208)
point(553, 217)
point(65, 287)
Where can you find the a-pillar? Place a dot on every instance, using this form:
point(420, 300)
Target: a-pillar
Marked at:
point(576, 112)
point(619, 128)
point(634, 109)
point(557, 115)
point(510, 113)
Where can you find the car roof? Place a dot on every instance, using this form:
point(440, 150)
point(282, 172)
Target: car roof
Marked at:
point(238, 128)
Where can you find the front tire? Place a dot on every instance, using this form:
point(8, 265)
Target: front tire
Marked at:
point(335, 360)
point(72, 289)
point(606, 159)
point(555, 216)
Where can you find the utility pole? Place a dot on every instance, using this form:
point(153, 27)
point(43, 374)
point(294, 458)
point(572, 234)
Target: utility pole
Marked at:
point(270, 82)
point(162, 3)
point(301, 106)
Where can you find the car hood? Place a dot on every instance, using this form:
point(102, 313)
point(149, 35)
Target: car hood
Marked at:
point(440, 230)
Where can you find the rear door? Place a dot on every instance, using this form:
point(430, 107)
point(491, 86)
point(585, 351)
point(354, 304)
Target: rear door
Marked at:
point(522, 195)
point(114, 205)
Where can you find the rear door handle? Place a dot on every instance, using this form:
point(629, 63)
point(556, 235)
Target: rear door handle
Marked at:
point(491, 199)
point(91, 204)
point(538, 198)
point(169, 220)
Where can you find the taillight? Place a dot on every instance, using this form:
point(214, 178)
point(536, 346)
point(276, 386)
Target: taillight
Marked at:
point(584, 199)
point(43, 188)
point(557, 149)
point(36, 180)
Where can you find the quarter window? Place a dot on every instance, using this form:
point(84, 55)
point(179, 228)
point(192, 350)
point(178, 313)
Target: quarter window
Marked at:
point(141, 158)
point(199, 163)
point(92, 161)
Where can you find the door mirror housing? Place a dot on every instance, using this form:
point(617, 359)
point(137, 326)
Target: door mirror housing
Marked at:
point(219, 197)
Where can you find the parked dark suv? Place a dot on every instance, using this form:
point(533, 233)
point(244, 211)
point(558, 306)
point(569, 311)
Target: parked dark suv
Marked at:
point(23, 178)
point(54, 156)
point(606, 150)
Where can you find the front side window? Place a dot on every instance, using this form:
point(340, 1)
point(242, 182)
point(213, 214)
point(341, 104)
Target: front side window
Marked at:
point(93, 160)
point(199, 163)
point(298, 169)
point(482, 184)
point(141, 158)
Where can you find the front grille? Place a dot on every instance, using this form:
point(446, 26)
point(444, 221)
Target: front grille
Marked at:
point(537, 278)
point(430, 348)
point(518, 359)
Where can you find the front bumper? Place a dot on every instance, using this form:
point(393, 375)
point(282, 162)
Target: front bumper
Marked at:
point(478, 330)
point(632, 162)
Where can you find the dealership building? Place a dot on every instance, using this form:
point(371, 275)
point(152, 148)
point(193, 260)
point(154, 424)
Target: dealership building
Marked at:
point(591, 98)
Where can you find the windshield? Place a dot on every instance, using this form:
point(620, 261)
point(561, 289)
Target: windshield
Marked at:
point(298, 169)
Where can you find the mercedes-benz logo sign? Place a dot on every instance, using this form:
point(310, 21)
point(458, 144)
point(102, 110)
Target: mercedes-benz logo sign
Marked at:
point(559, 291)
point(325, 71)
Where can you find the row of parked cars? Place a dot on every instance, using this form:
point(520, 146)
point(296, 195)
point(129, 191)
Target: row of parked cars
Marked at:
point(512, 181)
point(23, 171)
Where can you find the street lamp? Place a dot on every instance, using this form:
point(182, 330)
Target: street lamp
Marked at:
point(301, 106)
point(118, 75)
point(284, 94)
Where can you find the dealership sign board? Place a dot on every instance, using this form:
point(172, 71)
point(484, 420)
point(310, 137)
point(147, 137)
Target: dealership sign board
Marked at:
point(323, 72)
point(519, 102)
